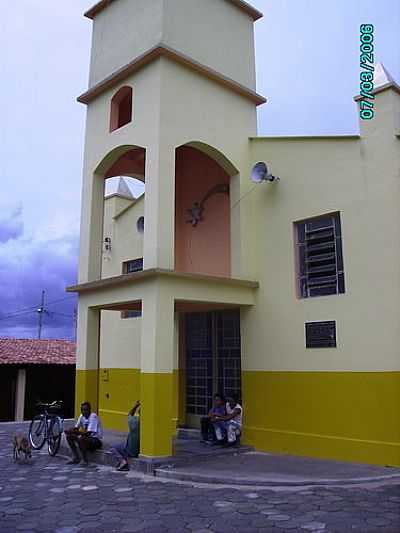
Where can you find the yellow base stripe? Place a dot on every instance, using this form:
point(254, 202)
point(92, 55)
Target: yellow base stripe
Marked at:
point(351, 416)
point(157, 407)
point(119, 388)
point(86, 389)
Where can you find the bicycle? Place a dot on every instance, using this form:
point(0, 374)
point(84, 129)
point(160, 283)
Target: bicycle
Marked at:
point(47, 426)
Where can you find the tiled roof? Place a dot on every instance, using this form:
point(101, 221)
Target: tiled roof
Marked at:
point(36, 352)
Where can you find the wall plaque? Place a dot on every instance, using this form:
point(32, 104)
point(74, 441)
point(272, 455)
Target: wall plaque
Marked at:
point(321, 334)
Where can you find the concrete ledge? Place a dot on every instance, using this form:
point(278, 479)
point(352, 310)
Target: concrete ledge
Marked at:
point(268, 470)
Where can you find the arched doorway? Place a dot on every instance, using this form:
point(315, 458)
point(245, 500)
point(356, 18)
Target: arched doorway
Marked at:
point(202, 210)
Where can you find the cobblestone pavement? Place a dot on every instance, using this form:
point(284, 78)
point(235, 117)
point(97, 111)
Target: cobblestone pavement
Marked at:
point(49, 496)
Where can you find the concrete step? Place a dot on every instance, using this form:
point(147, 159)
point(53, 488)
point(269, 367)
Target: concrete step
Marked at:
point(186, 452)
point(188, 434)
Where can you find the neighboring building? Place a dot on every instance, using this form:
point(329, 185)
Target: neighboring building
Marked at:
point(287, 293)
point(35, 370)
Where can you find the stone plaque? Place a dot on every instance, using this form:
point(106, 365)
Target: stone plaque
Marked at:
point(321, 334)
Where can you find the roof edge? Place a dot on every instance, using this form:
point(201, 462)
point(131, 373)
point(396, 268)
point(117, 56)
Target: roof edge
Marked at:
point(390, 85)
point(240, 4)
point(161, 50)
point(305, 137)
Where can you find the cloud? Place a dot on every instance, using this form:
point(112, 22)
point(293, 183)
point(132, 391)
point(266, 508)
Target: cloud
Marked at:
point(11, 223)
point(29, 265)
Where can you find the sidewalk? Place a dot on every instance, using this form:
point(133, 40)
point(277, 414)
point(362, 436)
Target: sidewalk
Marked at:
point(199, 463)
point(268, 470)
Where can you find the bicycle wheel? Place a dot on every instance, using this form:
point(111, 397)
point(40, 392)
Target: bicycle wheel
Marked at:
point(54, 436)
point(37, 432)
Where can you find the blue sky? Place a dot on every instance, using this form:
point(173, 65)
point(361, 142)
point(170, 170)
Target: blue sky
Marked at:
point(307, 67)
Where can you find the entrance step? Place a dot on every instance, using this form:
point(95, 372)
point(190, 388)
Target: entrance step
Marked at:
point(187, 451)
point(188, 434)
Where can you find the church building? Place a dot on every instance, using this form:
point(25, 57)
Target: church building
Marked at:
point(220, 277)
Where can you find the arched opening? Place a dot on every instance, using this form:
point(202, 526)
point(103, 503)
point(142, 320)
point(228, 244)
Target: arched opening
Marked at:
point(202, 210)
point(121, 108)
point(123, 171)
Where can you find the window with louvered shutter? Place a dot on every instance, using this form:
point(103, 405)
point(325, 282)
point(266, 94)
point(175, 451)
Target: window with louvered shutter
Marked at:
point(135, 265)
point(320, 270)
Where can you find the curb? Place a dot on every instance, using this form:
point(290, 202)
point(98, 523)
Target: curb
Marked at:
point(215, 480)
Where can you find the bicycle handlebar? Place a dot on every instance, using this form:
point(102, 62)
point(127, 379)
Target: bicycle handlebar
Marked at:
point(49, 405)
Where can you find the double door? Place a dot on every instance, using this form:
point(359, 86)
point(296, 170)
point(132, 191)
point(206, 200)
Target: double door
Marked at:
point(213, 360)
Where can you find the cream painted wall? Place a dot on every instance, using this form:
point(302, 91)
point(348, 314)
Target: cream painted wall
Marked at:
point(214, 33)
point(103, 148)
point(122, 32)
point(120, 338)
point(119, 341)
point(360, 179)
point(126, 241)
point(221, 33)
point(220, 119)
point(164, 118)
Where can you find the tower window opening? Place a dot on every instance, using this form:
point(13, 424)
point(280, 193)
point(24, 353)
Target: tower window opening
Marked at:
point(121, 108)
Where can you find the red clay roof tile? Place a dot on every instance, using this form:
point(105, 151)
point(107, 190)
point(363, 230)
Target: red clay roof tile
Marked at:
point(37, 352)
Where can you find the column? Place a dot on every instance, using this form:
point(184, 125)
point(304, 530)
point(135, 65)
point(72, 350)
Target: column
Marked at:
point(91, 234)
point(20, 395)
point(87, 356)
point(157, 379)
point(159, 234)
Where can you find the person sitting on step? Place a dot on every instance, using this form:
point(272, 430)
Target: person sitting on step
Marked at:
point(209, 423)
point(131, 447)
point(85, 436)
point(229, 426)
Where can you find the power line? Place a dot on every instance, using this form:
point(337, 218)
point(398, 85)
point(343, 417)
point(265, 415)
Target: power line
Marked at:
point(61, 314)
point(32, 309)
point(17, 315)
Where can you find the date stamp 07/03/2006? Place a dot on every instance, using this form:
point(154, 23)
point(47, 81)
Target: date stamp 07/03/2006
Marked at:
point(367, 71)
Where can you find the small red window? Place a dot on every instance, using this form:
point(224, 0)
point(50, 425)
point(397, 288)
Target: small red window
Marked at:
point(121, 108)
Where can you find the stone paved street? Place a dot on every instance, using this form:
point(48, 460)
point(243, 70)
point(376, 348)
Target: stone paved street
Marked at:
point(48, 496)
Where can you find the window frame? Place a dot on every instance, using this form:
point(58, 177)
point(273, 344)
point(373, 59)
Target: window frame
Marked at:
point(319, 242)
point(125, 92)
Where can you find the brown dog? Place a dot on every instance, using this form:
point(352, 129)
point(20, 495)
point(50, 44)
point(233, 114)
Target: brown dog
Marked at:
point(21, 445)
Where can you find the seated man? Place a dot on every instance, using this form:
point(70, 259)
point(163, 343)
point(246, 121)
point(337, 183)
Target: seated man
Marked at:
point(230, 425)
point(207, 422)
point(131, 447)
point(87, 434)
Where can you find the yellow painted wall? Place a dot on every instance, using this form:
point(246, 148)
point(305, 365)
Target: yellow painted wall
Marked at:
point(86, 389)
point(353, 416)
point(119, 388)
point(157, 411)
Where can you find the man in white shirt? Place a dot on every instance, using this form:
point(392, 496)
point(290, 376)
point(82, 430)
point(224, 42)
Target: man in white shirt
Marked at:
point(232, 422)
point(86, 435)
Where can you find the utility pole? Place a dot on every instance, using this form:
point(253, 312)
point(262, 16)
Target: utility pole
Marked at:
point(40, 311)
point(75, 323)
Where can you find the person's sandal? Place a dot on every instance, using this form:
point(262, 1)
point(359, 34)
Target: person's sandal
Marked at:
point(123, 468)
point(73, 461)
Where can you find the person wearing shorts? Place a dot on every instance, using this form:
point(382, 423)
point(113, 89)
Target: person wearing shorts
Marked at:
point(85, 436)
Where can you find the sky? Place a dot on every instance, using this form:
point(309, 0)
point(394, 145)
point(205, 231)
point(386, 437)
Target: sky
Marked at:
point(307, 54)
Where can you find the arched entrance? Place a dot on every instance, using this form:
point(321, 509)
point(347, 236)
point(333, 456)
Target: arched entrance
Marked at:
point(202, 210)
point(210, 345)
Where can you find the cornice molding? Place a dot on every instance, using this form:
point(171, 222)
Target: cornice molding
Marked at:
point(161, 50)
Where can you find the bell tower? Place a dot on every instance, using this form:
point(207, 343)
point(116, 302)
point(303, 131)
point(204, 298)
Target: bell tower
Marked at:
point(189, 68)
point(171, 101)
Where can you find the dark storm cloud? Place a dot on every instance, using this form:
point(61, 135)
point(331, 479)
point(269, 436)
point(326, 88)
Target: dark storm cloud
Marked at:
point(11, 224)
point(27, 267)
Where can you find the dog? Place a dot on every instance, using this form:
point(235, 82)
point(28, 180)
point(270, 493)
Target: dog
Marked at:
point(21, 446)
